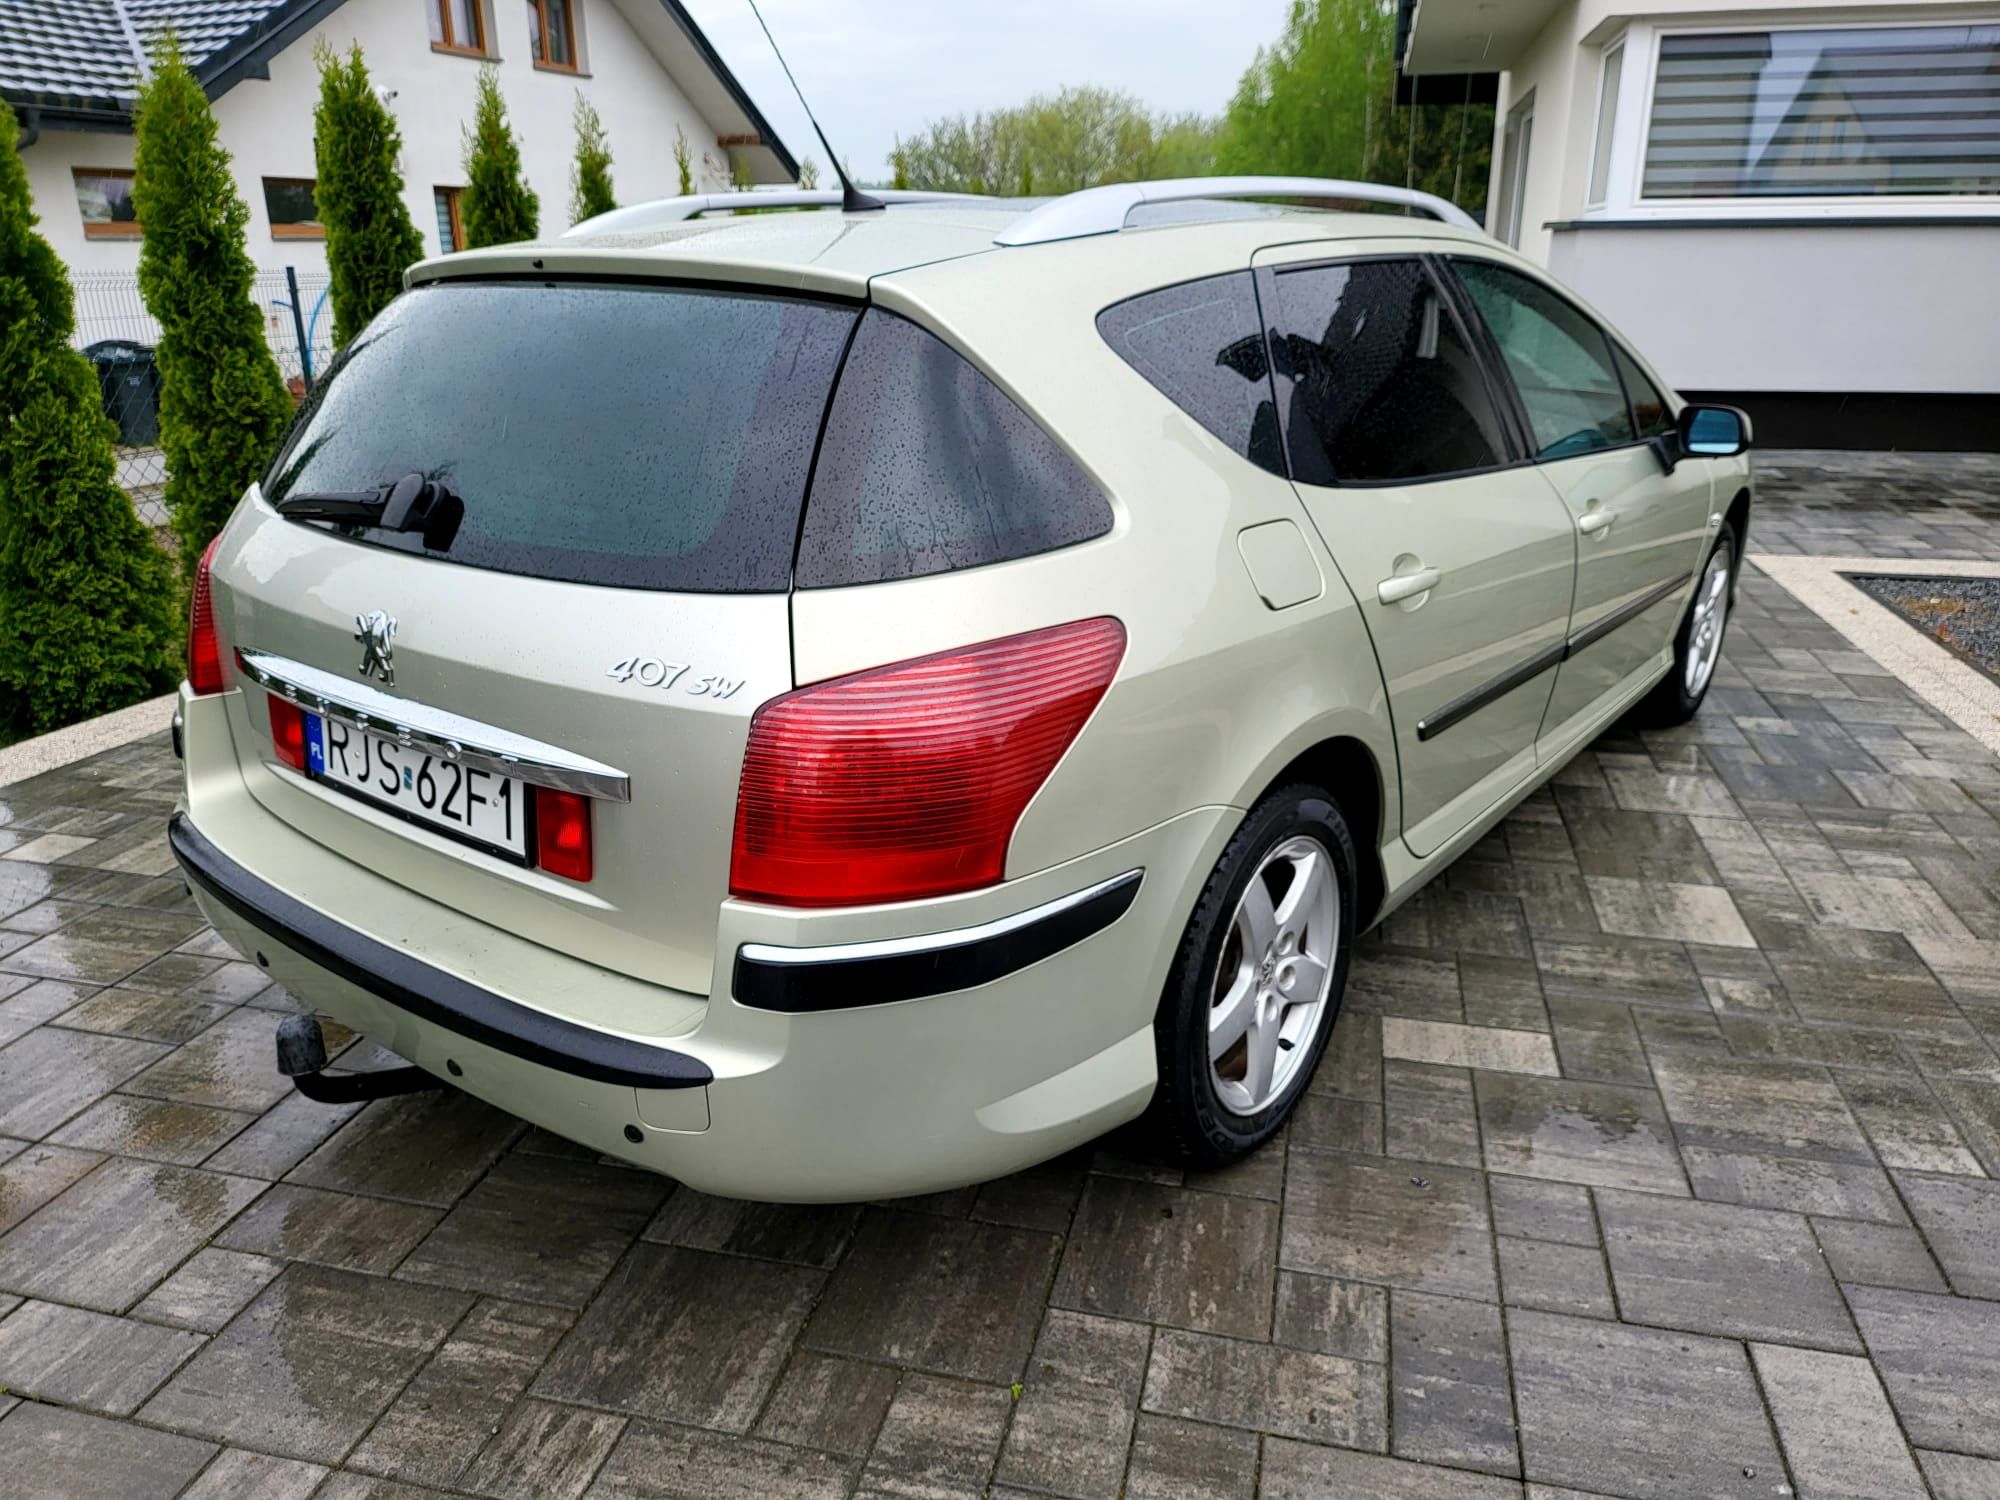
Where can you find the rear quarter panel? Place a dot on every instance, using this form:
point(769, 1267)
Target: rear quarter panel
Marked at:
point(1217, 692)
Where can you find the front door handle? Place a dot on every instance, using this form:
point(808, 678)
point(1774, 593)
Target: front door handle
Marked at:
point(1595, 520)
point(1407, 585)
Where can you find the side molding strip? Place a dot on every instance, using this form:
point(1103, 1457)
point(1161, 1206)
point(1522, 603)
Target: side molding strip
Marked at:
point(1465, 706)
point(846, 975)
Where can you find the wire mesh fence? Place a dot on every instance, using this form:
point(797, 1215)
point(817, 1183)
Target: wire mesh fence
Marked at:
point(118, 336)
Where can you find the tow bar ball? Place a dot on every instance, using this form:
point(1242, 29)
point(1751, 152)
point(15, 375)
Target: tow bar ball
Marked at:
point(302, 1058)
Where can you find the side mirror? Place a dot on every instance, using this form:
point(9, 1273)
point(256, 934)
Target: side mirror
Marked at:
point(1714, 431)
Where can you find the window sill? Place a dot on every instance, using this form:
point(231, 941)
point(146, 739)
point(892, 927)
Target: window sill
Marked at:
point(113, 232)
point(1919, 220)
point(477, 55)
point(284, 232)
point(567, 69)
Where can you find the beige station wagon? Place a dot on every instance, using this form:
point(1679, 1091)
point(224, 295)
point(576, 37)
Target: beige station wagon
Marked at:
point(839, 704)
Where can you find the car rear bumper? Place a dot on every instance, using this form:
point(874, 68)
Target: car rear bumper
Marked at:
point(972, 1045)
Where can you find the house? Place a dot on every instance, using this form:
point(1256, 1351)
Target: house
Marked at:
point(70, 68)
point(1794, 206)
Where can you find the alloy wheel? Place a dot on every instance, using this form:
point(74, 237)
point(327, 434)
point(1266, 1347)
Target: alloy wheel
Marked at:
point(1270, 993)
point(1711, 613)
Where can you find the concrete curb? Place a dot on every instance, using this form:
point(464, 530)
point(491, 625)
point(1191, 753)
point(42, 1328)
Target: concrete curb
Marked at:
point(60, 747)
point(1968, 698)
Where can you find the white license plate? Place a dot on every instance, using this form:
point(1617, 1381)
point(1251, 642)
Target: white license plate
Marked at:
point(467, 802)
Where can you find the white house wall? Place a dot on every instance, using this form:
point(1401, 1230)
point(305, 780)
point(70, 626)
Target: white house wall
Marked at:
point(1747, 308)
point(1905, 307)
point(267, 126)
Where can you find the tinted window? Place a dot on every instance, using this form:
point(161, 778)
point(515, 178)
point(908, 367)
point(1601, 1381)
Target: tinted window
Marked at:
point(1375, 378)
point(1560, 361)
point(644, 437)
point(1201, 344)
point(1649, 408)
point(927, 466)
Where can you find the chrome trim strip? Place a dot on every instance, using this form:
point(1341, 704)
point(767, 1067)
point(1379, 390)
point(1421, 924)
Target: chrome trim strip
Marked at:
point(437, 731)
point(932, 942)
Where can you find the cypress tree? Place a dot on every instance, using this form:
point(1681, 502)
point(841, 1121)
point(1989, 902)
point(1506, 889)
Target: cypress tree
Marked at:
point(223, 406)
point(87, 599)
point(370, 240)
point(498, 206)
point(590, 175)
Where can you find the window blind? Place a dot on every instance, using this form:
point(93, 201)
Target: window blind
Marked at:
point(1826, 113)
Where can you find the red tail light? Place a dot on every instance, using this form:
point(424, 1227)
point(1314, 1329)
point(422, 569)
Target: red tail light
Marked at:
point(288, 732)
point(562, 833)
point(204, 666)
point(907, 781)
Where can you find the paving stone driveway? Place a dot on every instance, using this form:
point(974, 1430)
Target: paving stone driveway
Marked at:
point(1654, 1156)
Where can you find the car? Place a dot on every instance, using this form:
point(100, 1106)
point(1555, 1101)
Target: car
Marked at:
point(832, 705)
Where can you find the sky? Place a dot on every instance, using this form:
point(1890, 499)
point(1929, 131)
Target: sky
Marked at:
point(874, 69)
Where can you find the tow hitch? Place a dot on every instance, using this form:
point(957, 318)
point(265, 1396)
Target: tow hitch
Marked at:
point(302, 1058)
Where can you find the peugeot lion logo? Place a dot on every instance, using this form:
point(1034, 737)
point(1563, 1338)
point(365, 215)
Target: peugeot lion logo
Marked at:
point(377, 633)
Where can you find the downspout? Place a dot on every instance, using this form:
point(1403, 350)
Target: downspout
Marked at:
point(31, 129)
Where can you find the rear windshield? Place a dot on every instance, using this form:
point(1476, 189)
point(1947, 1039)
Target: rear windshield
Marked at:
point(644, 437)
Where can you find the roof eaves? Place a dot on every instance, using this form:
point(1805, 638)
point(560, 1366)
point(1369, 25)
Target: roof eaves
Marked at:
point(713, 60)
point(246, 54)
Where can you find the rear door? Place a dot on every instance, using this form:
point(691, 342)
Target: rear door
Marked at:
point(632, 462)
point(1459, 555)
point(1593, 418)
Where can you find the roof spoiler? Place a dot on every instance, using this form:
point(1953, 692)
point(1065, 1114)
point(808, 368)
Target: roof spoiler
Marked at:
point(673, 210)
point(1104, 210)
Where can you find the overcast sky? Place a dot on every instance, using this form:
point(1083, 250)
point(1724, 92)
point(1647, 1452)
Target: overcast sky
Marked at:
point(877, 68)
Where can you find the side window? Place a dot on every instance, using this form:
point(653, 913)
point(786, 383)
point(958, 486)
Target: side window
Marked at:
point(1200, 343)
point(1560, 361)
point(1649, 408)
point(1375, 379)
point(927, 466)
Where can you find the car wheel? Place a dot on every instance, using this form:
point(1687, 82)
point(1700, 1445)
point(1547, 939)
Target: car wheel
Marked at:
point(1257, 981)
point(1698, 644)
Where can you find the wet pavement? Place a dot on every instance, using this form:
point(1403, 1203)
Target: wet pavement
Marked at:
point(1655, 1155)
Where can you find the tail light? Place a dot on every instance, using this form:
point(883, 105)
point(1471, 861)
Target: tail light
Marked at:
point(562, 833)
point(204, 664)
point(907, 780)
point(288, 732)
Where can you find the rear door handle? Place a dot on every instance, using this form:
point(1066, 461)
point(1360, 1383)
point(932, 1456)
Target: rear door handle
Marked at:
point(1593, 521)
point(1407, 585)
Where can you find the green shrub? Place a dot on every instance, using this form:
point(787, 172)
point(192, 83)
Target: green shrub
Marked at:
point(223, 406)
point(590, 175)
point(87, 600)
point(498, 206)
point(370, 240)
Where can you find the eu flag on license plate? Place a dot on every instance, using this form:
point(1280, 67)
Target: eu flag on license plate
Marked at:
point(315, 745)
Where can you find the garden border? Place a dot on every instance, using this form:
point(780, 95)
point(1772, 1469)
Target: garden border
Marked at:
point(1962, 693)
point(60, 747)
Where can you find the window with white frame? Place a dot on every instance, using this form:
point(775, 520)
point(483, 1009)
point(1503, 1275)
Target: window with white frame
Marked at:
point(1607, 122)
point(1828, 112)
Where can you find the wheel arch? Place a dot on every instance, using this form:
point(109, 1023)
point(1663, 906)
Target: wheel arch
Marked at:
point(1737, 518)
point(1349, 768)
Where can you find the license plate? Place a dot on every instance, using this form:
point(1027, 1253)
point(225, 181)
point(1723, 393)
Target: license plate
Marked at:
point(478, 806)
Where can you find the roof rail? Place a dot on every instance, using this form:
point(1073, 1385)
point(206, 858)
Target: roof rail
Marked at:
point(1103, 210)
point(672, 210)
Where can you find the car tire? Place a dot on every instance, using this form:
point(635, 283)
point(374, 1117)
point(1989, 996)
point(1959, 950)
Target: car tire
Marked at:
point(1676, 698)
point(1216, 1109)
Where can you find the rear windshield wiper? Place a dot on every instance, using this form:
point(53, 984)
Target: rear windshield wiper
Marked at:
point(412, 503)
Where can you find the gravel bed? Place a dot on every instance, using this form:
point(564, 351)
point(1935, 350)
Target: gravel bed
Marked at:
point(1963, 614)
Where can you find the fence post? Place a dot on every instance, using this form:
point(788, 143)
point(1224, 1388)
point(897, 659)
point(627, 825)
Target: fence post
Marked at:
point(299, 326)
